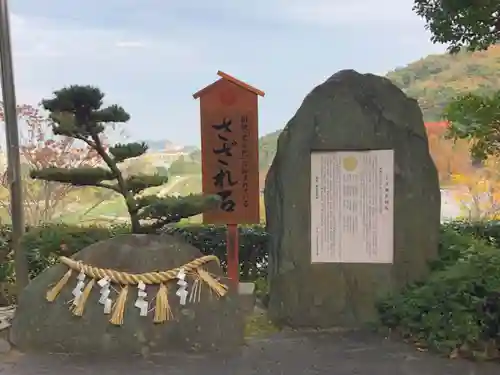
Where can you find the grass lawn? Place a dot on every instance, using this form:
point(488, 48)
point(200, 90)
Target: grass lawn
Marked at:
point(112, 208)
point(189, 184)
point(257, 325)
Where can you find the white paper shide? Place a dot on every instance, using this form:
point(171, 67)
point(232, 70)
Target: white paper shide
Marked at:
point(78, 290)
point(182, 292)
point(141, 302)
point(352, 200)
point(105, 285)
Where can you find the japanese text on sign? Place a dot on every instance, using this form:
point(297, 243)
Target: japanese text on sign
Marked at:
point(352, 207)
point(244, 158)
point(222, 180)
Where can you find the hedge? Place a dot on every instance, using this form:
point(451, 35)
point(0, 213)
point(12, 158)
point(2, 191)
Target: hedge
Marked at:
point(44, 244)
point(488, 231)
point(212, 240)
point(456, 311)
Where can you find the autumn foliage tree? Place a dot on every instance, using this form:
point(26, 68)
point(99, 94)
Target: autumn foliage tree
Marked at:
point(451, 157)
point(475, 187)
point(473, 25)
point(39, 149)
point(478, 191)
point(77, 112)
point(474, 117)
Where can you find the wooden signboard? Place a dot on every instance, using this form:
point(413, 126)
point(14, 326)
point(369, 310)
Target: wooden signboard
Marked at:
point(229, 150)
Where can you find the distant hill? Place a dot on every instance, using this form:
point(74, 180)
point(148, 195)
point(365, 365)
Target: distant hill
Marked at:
point(267, 149)
point(434, 81)
point(164, 145)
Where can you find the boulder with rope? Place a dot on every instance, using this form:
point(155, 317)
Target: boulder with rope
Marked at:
point(130, 295)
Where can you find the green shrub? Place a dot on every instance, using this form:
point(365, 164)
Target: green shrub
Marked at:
point(44, 244)
point(211, 239)
point(457, 309)
point(61, 239)
point(452, 246)
point(485, 230)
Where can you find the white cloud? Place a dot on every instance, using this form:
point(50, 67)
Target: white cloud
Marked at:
point(48, 54)
point(129, 44)
point(358, 13)
point(31, 34)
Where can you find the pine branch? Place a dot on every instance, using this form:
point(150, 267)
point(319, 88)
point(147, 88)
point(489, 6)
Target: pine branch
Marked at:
point(73, 98)
point(173, 209)
point(111, 114)
point(154, 226)
point(136, 184)
point(76, 110)
point(64, 124)
point(126, 151)
point(82, 176)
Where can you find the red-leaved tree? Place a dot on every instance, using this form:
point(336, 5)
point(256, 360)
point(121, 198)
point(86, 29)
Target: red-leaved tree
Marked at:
point(39, 149)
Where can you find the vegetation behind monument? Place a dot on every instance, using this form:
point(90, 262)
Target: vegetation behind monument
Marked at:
point(77, 112)
point(473, 113)
point(457, 309)
point(44, 201)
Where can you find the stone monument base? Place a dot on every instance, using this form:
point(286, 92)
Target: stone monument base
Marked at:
point(209, 324)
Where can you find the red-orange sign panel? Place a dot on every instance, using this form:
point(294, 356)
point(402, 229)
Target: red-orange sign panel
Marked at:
point(229, 148)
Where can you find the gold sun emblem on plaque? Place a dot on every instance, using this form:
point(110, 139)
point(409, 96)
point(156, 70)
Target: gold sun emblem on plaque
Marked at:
point(350, 163)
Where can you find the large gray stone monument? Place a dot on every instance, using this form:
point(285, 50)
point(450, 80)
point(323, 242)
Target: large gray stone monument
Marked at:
point(352, 203)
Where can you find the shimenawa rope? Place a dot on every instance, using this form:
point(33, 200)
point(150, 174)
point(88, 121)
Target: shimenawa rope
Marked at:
point(162, 307)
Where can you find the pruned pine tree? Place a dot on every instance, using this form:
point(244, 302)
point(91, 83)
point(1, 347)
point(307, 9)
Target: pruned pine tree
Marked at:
point(78, 112)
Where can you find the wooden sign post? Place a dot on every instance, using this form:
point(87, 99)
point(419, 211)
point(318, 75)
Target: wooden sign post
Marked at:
point(230, 157)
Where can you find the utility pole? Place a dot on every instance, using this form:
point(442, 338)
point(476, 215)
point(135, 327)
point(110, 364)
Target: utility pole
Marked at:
point(13, 157)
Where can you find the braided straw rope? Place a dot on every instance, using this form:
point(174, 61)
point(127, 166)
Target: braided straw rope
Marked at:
point(125, 278)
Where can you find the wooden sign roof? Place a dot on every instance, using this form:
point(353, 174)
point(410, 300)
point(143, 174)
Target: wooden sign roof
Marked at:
point(227, 77)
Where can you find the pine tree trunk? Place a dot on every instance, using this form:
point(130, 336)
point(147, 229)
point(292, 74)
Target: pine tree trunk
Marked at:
point(136, 226)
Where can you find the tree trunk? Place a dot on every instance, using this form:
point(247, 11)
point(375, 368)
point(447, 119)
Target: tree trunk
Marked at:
point(127, 195)
point(134, 220)
point(20, 263)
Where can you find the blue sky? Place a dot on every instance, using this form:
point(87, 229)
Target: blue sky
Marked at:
point(150, 56)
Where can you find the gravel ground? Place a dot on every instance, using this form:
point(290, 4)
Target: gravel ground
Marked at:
point(304, 353)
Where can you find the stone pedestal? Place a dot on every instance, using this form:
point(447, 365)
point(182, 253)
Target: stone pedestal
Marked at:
point(246, 292)
point(211, 324)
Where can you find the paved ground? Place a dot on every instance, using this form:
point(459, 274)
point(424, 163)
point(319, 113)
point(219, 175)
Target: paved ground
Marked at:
point(359, 353)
